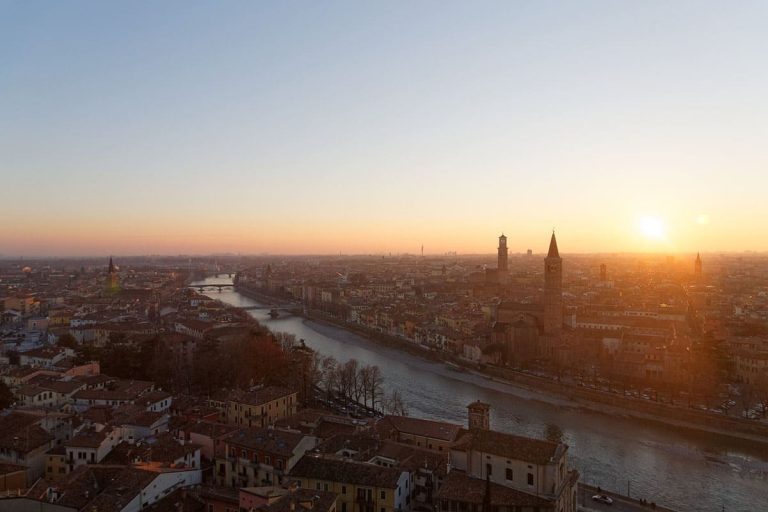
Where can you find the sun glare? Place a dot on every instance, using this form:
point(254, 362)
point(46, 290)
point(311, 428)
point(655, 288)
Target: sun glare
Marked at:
point(652, 227)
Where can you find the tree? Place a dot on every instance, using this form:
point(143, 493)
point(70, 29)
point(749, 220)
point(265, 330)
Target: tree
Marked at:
point(371, 381)
point(211, 369)
point(329, 376)
point(67, 341)
point(348, 380)
point(394, 404)
point(6, 396)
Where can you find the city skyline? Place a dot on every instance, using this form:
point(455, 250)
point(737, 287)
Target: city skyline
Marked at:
point(298, 128)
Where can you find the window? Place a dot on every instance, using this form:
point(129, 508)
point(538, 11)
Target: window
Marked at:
point(343, 489)
point(530, 478)
point(488, 469)
point(383, 495)
point(343, 507)
point(510, 475)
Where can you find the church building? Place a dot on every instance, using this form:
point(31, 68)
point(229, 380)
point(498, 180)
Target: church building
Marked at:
point(530, 330)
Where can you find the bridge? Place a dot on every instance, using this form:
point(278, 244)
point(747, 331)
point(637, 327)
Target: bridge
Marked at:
point(202, 287)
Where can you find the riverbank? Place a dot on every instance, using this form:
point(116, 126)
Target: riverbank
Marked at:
point(552, 392)
point(684, 469)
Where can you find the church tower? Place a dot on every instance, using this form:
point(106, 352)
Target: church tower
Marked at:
point(553, 289)
point(503, 252)
point(111, 283)
point(479, 415)
point(697, 265)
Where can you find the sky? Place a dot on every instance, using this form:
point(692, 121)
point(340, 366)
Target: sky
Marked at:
point(371, 127)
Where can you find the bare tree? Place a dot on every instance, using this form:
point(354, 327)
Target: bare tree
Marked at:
point(375, 383)
point(365, 378)
point(394, 404)
point(329, 376)
point(348, 381)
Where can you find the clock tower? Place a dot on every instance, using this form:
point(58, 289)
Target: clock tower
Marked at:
point(553, 289)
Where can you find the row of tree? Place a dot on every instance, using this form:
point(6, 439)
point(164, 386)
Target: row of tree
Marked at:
point(350, 382)
point(256, 357)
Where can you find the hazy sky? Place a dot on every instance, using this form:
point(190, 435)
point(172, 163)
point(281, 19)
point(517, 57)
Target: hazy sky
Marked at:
point(288, 127)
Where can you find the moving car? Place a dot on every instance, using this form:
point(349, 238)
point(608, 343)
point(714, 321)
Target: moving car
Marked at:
point(602, 498)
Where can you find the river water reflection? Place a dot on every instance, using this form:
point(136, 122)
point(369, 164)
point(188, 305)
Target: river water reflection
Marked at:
point(682, 469)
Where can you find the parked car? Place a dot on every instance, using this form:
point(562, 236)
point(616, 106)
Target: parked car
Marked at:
point(602, 498)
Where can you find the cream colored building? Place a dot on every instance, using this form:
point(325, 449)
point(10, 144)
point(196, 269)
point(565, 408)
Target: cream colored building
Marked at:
point(261, 407)
point(360, 487)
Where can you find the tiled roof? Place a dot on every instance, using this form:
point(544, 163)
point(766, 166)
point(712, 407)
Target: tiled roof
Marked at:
point(457, 486)
point(261, 396)
point(423, 428)
point(353, 473)
point(21, 432)
point(510, 446)
point(268, 440)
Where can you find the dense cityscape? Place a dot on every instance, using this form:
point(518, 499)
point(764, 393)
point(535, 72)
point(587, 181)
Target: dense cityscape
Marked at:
point(133, 374)
point(343, 256)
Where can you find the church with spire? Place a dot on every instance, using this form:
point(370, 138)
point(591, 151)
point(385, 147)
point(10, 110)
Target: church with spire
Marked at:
point(697, 266)
point(530, 330)
point(112, 282)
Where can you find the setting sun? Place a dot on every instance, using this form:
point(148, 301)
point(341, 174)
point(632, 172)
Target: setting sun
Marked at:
point(652, 227)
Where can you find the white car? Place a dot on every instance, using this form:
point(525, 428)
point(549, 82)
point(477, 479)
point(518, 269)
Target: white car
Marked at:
point(602, 498)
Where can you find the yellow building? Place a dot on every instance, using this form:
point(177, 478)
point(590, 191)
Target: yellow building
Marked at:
point(56, 467)
point(360, 487)
point(262, 407)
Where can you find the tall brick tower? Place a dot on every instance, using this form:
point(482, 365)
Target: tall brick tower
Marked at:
point(697, 266)
point(553, 290)
point(503, 252)
point(112, 282)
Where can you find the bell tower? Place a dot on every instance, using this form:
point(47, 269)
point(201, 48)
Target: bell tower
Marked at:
point(553, 289)
point(479, 415)
point(111, 282)
point(697, 266)
point(503, 254)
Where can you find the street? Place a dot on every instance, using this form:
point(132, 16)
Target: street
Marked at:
point(620, 503)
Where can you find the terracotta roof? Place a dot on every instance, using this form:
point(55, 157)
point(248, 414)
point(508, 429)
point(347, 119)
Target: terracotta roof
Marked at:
point(510, 446)
point(88, 438)
point(163, 449)
point(7, 469)
point(424, 428)
point(21, 432)
point(261, 396)
point(101, 487)
point(208, 429)
point(301, 499)
point(269, 440)
point(353, 473)
point(457, 486)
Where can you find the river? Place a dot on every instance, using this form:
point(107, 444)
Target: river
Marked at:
point(683, 469)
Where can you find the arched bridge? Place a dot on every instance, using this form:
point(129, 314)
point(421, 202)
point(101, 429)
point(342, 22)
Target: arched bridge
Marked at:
point(202, 287)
